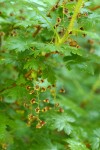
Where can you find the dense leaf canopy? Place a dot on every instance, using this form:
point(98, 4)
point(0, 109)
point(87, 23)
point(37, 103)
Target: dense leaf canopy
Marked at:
point(49, 75)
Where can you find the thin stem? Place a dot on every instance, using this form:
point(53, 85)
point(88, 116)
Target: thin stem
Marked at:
point(57, 36)
point(38, 28)
point(95, 8)
point(38, 99)
point(70, 27)
point(1, 42)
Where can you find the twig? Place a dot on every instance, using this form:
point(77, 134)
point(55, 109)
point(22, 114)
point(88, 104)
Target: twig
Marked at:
point(95, 8)
point(70, 27)
point(38, 28)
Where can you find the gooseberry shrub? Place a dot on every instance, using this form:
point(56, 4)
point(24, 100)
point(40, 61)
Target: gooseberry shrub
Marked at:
point(50, 75)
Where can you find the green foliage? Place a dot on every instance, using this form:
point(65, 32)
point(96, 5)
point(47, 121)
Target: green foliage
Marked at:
point(49, 75)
